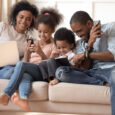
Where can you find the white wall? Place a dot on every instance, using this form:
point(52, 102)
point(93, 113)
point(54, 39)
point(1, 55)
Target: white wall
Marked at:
point(98, 9)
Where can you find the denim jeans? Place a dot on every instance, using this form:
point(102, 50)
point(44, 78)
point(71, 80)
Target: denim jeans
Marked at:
point(25, 86)
point(92, 76)
point(22, 76)
point(6, 72)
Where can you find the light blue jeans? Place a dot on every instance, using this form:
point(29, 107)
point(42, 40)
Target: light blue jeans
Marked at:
point(24, 73)
point(92, 76)
point(6, 72)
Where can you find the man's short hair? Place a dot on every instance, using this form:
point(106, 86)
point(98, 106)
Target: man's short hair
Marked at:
point(80, 16)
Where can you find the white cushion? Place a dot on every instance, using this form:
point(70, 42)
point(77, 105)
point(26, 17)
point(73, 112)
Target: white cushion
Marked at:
point(79, 93)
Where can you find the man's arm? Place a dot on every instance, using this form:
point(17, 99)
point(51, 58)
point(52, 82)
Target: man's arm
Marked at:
point(103, 56)
point(109, 54)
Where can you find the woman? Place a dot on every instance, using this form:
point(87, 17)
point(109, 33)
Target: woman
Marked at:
point(21, 21)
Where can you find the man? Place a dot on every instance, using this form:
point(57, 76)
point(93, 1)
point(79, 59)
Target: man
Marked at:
point(96, 43)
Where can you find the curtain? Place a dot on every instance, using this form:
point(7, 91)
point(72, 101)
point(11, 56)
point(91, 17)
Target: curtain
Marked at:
point(5, 9)
point(0, 10)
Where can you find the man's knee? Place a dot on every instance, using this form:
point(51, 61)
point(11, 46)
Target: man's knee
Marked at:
point(61, 72)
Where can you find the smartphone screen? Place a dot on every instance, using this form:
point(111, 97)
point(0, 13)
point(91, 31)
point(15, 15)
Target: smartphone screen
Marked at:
point(32, 41)
point(97, 23)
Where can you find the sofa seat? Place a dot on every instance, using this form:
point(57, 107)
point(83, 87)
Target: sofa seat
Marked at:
point(39, 90)
point(65, 98)
point(79, 93)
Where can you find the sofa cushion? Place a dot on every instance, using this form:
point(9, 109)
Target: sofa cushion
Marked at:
point(39, 90)
point(79, 93)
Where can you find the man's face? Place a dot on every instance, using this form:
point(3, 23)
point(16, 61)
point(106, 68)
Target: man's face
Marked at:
point(81, 30)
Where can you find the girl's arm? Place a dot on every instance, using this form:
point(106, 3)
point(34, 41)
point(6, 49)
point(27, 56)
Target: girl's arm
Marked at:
point(54, 52)
point(38, 50)
point(27, 52)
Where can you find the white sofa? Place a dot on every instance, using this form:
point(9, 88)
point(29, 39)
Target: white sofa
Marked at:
point(65, 98)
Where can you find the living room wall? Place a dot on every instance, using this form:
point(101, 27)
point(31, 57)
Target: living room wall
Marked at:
point(98, 9)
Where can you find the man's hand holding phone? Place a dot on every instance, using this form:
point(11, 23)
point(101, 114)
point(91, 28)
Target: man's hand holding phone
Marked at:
point(95, 33)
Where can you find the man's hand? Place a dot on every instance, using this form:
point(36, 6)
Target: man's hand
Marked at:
point(94, 33)
point(78, 58)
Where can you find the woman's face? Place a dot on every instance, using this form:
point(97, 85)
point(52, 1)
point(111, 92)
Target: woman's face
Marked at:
point(23, 21)
point(44, 32)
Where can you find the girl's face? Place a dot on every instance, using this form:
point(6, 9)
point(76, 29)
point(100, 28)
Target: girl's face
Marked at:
point(63, 46)
point(23, 21)
point(44, 32)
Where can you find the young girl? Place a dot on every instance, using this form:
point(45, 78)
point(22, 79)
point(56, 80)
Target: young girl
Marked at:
point(47, 22)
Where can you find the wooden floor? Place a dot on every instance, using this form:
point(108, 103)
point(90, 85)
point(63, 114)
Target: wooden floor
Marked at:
point(31, 113)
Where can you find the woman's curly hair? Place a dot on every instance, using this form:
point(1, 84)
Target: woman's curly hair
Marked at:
point(20, 6)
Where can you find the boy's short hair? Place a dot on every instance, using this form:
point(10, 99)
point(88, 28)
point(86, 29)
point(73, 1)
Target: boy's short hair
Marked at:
point(65, 34)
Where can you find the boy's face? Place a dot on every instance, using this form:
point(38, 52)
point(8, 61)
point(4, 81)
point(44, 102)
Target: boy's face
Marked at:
point(44, 32)
point(81, 30)
point(63, 46)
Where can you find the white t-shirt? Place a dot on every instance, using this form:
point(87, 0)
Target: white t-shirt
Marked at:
point(8, 33)
point(69, 56)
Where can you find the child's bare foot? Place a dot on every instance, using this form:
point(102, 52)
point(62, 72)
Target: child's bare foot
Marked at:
point(4, 99)
point(22, 103)
point(54, 82)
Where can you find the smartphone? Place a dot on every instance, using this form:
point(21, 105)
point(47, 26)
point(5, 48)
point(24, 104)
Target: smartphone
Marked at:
point(97, 23)
point(32, 41)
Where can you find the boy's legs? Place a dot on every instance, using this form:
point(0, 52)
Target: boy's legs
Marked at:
point(52, 65)
point(44, 69)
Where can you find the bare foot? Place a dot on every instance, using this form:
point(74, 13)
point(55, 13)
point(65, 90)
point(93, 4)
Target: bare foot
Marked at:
point(106, 84)
point(54, 82)
point(22, 103)
point(4, 99)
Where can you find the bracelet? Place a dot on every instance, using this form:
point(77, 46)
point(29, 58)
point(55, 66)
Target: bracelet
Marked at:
point(87, 51)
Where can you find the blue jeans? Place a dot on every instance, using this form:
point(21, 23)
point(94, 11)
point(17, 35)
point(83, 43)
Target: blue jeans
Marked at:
point(6, 72)
point(92, 76)
point(25, 86)
point(21, 78)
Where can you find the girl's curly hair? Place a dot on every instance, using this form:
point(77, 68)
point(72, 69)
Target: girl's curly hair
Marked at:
point(50, 16)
